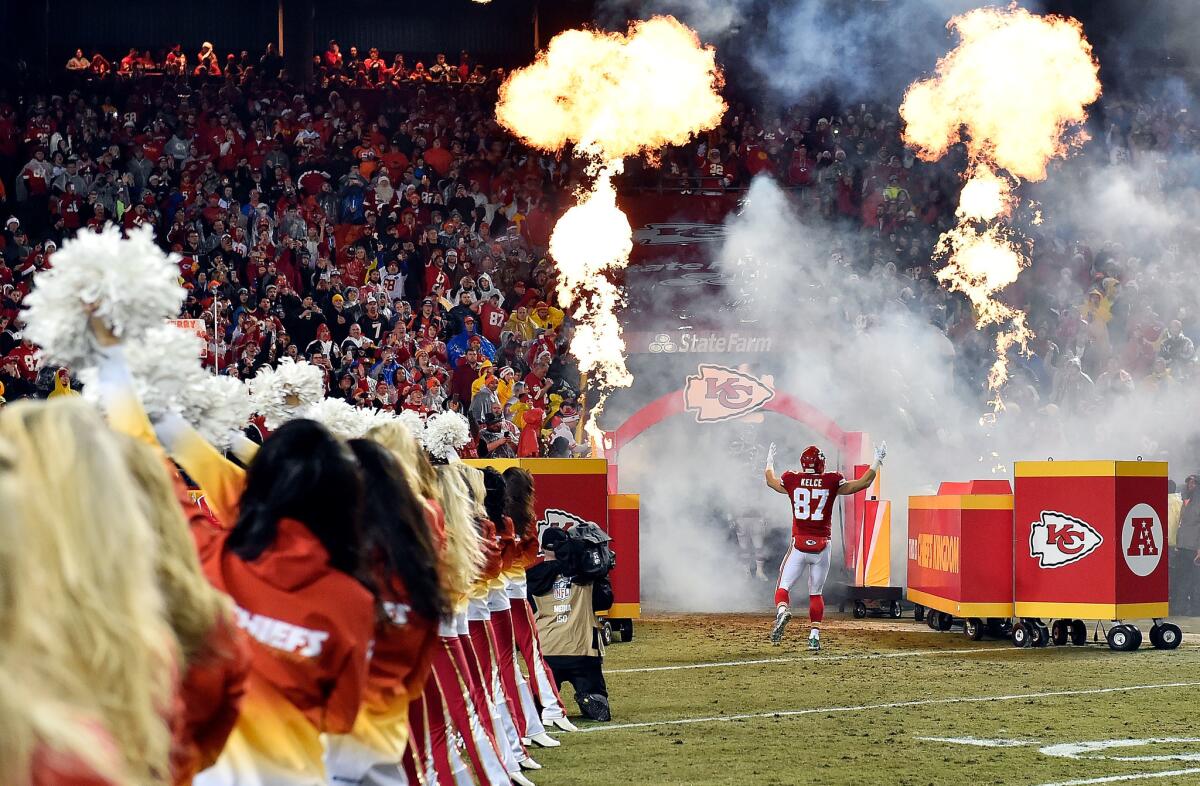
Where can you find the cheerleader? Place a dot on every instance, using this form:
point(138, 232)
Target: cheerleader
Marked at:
point(466, 705)
point(87, 659)
point(479, 640)
point(518, 504)
point(501, 602)
point(419, 759)
point(214, 654)
point(402, 568)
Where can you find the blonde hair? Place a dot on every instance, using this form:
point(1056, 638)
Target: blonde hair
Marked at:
point(464, 552)
point(87, 619)
point(193, 605)
point(472, 478)
point(396, 437)
point(32, 717)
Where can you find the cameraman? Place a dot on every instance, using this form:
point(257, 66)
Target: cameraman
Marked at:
point(566, 600)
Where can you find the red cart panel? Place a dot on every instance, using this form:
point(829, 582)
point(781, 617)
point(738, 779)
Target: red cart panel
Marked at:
point(959, 549)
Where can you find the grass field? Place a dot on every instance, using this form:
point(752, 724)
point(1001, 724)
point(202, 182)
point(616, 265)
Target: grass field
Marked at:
point(705, 699)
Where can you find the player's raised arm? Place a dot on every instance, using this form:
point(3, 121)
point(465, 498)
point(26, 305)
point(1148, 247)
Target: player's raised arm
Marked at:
point(769, 472)
point(858, 484)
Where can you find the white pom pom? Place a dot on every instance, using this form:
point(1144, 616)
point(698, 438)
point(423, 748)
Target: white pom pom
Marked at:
point(164, 363)
point(444, 434)
point(217, 408)
point(339, 417)
point(374, 417)
point(284, 393)
point(412, 421)
point(132, 283)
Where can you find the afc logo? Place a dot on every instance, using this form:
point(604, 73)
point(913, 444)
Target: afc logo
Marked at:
point(1142, 539)
point(1058, 539)
point(718, 393)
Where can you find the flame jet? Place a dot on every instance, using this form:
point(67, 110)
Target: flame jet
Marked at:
point(1014, 92)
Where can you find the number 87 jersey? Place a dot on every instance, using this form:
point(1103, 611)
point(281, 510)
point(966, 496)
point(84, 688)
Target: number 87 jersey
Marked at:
point(812, 496)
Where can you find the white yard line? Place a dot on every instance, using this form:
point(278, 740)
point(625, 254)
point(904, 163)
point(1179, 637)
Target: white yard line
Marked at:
point(1136, 776)
point(817, 658)
point(978, 743)
point(890, 705)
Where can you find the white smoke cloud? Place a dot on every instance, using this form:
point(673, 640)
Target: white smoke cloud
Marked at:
point(860, 350)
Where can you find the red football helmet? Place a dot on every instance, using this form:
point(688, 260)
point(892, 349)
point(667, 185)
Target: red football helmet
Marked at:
point(812, 460)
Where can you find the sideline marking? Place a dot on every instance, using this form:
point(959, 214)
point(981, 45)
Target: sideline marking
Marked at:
point(1136, 776)
point(826, 658)
point(891, 705)
point(979, 743)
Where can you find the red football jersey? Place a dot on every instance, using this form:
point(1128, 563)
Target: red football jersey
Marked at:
point(812, 497)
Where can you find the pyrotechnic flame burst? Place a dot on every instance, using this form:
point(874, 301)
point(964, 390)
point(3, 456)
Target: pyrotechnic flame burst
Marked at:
point(613, 95)
point(1014, 92)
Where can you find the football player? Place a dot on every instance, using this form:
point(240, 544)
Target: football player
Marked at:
point(812, 493)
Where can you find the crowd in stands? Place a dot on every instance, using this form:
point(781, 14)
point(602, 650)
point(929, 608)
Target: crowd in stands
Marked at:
point(395, 234)
point(396, 239)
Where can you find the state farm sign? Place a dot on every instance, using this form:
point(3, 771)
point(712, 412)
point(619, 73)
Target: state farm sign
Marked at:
point(707, 341)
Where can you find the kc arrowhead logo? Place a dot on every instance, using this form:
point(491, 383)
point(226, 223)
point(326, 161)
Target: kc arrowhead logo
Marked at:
point(718, 393)
point(561, 519)
point(1059, 539)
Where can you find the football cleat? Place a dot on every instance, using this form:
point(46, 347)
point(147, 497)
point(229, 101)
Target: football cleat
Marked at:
point(781, 620)
point(814, 642)
point(528, 763)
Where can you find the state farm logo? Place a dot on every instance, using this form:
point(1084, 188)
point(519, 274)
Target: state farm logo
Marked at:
point(1142, 539)
point(1059, 539)
point(718, 393)
point(678, 233)
point(662, 343)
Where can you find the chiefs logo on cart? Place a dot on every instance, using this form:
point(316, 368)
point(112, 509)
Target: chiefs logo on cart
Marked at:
point(1059, 539)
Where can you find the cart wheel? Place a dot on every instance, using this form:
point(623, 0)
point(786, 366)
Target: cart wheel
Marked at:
point(931, 618)
point(1040, 635)
point(1021, 636)
point(1078, 633)
point(860, 609)
point(919, 612)
point(945, 622)
point(897, 610)
point(627, 630)
point(1120, 638)
point(973, 628)
point(1166, 636)
point(1059, 631)
point(606, 633)
point(1136, 637)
